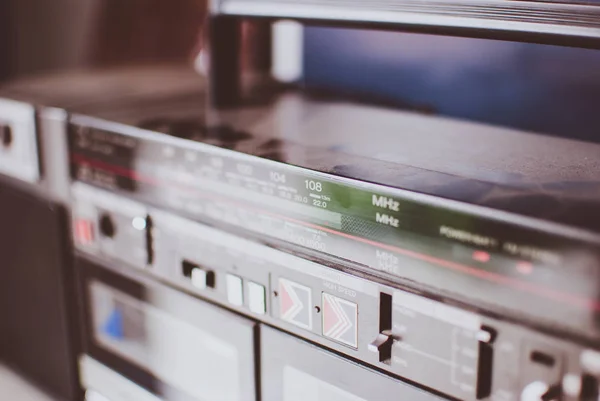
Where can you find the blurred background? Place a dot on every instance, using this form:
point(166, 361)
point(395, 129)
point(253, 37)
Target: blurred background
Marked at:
point(541, 88)
point(38, 37)
point(544, 89)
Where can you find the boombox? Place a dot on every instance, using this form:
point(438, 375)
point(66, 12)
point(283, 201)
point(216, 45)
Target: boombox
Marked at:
point(247, 237)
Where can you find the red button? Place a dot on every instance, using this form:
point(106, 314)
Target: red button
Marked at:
point(84, 231)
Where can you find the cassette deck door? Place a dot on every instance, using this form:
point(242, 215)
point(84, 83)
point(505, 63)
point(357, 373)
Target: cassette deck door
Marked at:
point(177, 347)
point(294, 370)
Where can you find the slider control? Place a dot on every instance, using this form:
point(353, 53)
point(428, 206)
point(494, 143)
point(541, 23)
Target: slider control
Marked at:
point(384, 340)
point(486, 337)
point(383, 345)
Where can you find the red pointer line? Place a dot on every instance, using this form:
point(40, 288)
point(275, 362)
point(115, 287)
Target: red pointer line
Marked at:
point(486, 275)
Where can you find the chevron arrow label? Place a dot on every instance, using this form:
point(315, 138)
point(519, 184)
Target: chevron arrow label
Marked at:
point(295, 303)
point(340, 320)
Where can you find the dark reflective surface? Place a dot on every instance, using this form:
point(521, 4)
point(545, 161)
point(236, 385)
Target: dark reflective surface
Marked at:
point(539, 88)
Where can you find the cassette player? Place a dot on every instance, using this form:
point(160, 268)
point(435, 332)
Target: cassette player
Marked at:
point(253, 238)
point(451, 282)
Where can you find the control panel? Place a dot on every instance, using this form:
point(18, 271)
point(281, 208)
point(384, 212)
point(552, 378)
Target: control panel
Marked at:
point(109, 226)
point(448, 347)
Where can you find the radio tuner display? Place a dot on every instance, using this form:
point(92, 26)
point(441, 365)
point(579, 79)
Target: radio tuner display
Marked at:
point(464, 252)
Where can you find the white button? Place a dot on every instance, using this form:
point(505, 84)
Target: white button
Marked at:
point(483, 336)
point(235, 290)
point(571, 384)
point(198, 278)
point(590, 360)
point(257, 298)
point(534, 391)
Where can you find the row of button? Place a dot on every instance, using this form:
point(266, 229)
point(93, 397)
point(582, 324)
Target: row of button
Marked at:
point(202, 278)
point(257, 296)
point(339, 316)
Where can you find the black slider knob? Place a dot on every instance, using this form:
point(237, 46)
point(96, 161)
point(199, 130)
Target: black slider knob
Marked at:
point(383, 346)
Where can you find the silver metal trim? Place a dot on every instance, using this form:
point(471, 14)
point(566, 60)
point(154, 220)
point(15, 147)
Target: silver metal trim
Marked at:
point(517, 16)
point(21, 159)
point(55, 153)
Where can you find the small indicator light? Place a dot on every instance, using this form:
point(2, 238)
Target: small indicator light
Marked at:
point(481, 256)
point(113, 326)
point(139, 223)
point(525, 268)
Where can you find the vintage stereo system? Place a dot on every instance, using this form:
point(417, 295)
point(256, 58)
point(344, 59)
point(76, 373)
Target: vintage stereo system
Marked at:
point(257, 241)
point(339, 283)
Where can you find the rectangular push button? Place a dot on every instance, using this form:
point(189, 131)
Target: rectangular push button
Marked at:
point(295, 303)
point(200, 277)
point(257, 298)
point(235, 290)
point(340, 320)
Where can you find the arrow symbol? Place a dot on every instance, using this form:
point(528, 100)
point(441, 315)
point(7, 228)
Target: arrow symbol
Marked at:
point(337, 324)
point(294, 303)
